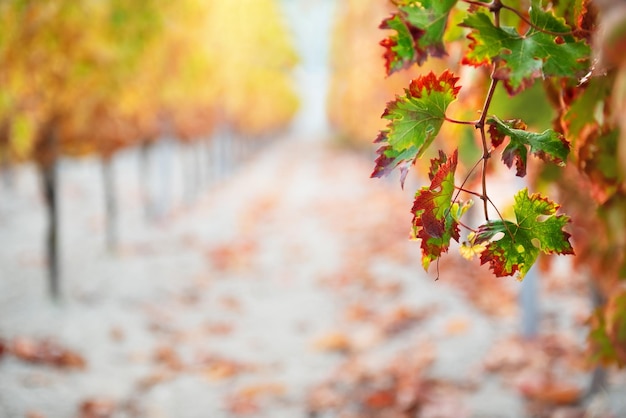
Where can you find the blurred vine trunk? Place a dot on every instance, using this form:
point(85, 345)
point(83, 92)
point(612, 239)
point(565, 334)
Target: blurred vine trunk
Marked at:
point(6, 171)
point(110, 202)
point(599, 376)
point(144, 178)
point(190, 170)
point(46, 154)
point(209, 159)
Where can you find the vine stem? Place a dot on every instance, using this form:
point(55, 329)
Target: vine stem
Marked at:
point(460, 189)
point(469, 228)
point(460, 122)
point(494, 7)
point(480, 125)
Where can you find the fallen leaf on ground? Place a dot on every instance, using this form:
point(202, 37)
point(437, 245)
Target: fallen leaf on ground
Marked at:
point(168, 357)
point(494, 297)
point(232, 256)
point(358, 312)
point(398, 388)
point(218, 367)
point(457, 326)
point(506, 355)
point(46, 351)
point(97, 408)
point(218, 328)
point(380, 399)
point(403, 317)
point(333, 341)
point(556, 393)
point(154, 379)
point(117, 334)
point(263, 389)
point(241, 405)
point(230, 303)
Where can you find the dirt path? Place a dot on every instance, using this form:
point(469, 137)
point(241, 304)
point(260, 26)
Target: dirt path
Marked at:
point(289, 288)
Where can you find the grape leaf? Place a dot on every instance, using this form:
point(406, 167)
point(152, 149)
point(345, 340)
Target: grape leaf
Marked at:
point(433, 215)
point(419, 26)
point(399, 49)
point(581, 112)
point(514, 246)
point(547, 145)
point(522, 58)
point(415, 120)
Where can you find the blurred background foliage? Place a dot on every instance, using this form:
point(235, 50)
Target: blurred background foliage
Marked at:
point(106, 75)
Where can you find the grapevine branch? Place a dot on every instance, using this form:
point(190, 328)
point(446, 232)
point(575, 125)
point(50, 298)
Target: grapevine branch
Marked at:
point(480, 125)
point(460, 189)
point(416, 118)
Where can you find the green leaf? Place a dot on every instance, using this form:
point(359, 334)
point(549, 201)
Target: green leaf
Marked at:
point(583, 111)
point(399, 49)
point(434, 217)
point(419, 26)
point(513, 247)
point(414, 121)
point(547, 145)
point(522, 58)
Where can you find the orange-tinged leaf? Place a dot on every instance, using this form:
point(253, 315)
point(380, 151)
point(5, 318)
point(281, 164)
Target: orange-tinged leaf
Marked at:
point(46, 351)
point(380, 399)
point(97, 408)
point(333, 341)
point(557, 393)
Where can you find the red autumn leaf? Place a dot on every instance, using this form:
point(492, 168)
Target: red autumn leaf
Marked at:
point(380, 399)
point(419, 27)
point(433, 221)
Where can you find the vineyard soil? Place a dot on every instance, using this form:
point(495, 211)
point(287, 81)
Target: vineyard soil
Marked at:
point(288, 289)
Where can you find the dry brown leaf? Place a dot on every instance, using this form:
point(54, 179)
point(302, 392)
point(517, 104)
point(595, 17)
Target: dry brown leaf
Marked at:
point(97, 408)
point(491, 296)
point(556, 393)
point(117, 334)
point(230, 303)
point(167, 356)
point(380, 399)
point(358, 312)
point(218, 328)
point(263, 389)
point(154, 379)
point(241, 405)
point(218, 368)
point(404, 317)
point(46, 351)
point(506, 355)
point(333, 341)
point(233, 256)
point(457, 326)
